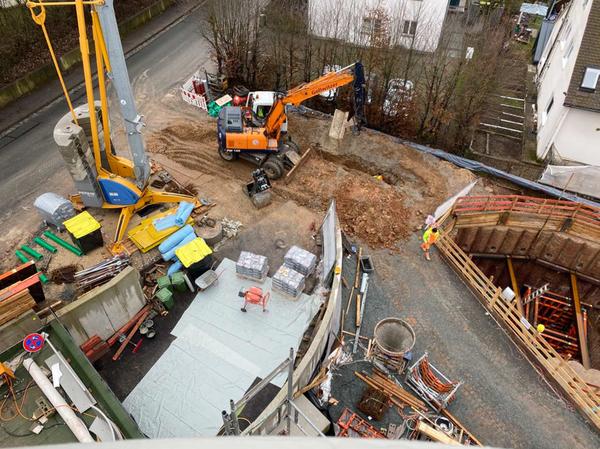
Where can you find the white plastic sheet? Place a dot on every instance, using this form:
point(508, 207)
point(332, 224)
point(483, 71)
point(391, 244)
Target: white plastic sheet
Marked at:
point(583, 179)
point(217, 354)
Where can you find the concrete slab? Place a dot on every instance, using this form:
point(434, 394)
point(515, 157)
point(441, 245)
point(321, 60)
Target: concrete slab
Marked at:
point(105, 309)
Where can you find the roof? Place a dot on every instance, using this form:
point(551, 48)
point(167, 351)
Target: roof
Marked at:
point(588, 56)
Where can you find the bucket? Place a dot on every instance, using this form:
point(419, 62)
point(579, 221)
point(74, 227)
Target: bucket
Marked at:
point(394, 337)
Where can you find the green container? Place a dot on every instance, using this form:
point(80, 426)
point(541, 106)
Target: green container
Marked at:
point(178, 281)
point(165, 296)
point(164, 282)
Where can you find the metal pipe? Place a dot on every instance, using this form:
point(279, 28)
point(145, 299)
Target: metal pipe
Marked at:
point(74, 423)
point(290, 393)
point(362, 313)
point(235, 424)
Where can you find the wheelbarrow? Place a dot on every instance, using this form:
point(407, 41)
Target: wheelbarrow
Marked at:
point(206, 279)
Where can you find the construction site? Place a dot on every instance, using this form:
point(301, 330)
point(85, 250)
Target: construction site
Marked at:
point(242, 265)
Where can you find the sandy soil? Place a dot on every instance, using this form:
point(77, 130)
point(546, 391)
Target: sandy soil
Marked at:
point(380, 212)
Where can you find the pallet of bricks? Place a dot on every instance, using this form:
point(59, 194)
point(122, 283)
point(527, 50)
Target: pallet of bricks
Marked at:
point(20, 290)
point(290, 278)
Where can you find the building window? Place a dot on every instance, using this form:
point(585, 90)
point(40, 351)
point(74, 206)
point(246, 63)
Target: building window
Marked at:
point(547, 111)
point(409, 28)
point(590, 79)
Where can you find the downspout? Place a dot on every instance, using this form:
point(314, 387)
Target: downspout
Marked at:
point(76, 425)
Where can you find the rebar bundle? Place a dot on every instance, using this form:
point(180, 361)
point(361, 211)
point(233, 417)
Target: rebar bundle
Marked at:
point(101, 273)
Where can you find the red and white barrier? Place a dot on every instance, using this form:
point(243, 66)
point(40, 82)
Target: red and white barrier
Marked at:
point(189, 94)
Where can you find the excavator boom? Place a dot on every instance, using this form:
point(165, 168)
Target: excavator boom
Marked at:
point(353, 73)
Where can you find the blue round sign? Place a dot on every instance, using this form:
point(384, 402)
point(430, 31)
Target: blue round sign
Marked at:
point(33, 342)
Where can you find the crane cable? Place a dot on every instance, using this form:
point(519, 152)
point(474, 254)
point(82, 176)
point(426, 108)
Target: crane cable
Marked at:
point(40, 19)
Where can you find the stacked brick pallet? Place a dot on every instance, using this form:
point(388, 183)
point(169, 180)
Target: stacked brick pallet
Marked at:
point(290, 278)
point(252, 265)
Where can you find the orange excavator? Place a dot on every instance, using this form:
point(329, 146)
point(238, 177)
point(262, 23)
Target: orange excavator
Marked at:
point(242, 134)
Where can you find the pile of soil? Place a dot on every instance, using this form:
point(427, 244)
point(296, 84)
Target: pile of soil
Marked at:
point(372, 211)
point(369, 210)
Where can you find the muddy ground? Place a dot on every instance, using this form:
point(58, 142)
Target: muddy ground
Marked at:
point(383, 190)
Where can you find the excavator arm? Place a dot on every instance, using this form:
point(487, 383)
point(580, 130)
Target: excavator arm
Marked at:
point(353, 73)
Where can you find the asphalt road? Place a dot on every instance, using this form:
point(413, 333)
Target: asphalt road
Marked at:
point(30, 163)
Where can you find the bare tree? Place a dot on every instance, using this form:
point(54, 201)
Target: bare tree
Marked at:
point(232, 30)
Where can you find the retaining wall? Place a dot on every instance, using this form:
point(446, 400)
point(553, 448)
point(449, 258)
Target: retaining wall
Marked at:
point(105, 309)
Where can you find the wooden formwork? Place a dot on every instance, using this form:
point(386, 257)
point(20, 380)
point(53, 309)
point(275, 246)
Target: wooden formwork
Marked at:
point(557, 370)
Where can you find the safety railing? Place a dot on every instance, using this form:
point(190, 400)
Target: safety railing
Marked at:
point(543, 207)
point(555, 367)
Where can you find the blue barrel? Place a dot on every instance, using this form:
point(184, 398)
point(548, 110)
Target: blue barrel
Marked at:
point(171, 253)
point(174, 268)
point(174, 239)
point(183, 213)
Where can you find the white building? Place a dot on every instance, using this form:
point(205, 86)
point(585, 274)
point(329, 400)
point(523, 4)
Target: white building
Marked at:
point(568, 72)
point(415, 24)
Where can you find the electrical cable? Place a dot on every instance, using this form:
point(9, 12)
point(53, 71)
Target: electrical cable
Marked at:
point(22, 435)
point(108, 421)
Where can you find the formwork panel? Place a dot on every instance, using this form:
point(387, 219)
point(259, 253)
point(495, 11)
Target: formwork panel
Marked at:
point(466, 237)
point(567, 257)
point(549, 245)
point(483, 236)
point(524, 243)
point(585, 260)
point(510, 241)
point(496, 239)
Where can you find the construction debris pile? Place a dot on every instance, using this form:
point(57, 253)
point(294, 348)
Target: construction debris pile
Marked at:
point(381, 390)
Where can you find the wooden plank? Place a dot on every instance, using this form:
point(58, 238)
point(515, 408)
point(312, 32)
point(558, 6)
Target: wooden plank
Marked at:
point(435, 435)
point(515, 286)
point(303, 159)
point(457, 423)
point(134, 329)
point(583, 347)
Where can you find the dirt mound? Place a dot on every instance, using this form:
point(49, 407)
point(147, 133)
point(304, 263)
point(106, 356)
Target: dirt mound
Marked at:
point(369, 209)
point(372, 211)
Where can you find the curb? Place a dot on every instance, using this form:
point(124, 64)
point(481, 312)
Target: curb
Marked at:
point(51, 101)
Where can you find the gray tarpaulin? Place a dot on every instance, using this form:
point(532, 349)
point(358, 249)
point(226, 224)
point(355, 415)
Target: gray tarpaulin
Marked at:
point(584, 179)
point(217, 352)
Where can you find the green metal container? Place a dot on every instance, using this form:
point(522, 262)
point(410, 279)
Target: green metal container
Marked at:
point(178, 281)
point(165, 296)
point(164, 282)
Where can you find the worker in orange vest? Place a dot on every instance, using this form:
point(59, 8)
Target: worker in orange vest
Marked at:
point(430, 236)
